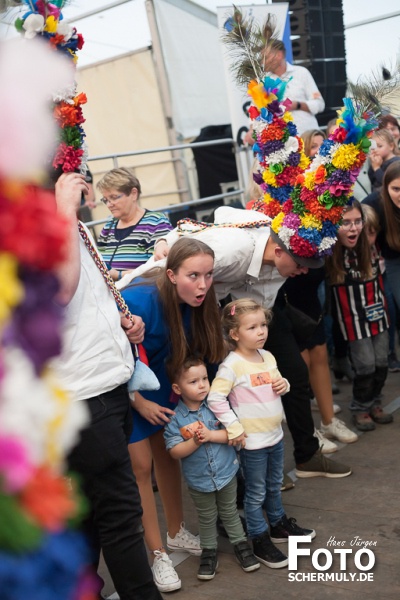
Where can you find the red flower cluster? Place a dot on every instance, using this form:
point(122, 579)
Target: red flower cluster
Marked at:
point(30, 227)
point(302, 247)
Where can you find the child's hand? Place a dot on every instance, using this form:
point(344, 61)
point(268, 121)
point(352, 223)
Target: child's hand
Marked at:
point(240, 441)
point(202, 435)
point(279, 386)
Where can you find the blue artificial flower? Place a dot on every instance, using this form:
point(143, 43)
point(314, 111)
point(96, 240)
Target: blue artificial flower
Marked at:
point(325, 147)
point(281, 193)
point(311, 235)
point(292, 129)
point(50, 573)
point(328, 229)
point(265, 115)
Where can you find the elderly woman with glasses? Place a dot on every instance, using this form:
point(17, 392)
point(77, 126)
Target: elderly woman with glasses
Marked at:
point(129, 237)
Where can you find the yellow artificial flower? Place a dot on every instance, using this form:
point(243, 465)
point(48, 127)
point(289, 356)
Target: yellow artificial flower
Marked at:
point(310, 222)
point(269, 178)
point(257, 92)
point(304, 161)
point(277, 222)
point(345, 156)
point(51, 24)
point(309, 180)
point(267, 198)
point(287, 117)
point(11, 289)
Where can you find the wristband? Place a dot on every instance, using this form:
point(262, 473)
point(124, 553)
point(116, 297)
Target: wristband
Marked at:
point(298, 105)
point(119, 274)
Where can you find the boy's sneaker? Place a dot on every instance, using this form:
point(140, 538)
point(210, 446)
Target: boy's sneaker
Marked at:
point(208, 564)
point(267, 553)
point(286, 527)
point(393, 363)
point(381, 417)
point(314, 406)
point(319, 466)
point(337, 430)
point(363, 421)
point(164, 574)
point(185, 542)
point(325, 445)
point(245, 557)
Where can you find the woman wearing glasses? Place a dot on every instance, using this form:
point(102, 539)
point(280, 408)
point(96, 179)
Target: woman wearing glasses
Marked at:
point(359, 305)
point(128, 238)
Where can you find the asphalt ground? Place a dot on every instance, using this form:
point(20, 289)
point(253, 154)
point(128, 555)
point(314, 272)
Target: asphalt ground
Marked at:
point(354, 511)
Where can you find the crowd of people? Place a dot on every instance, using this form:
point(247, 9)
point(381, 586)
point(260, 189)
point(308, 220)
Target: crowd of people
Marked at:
point(213, 318)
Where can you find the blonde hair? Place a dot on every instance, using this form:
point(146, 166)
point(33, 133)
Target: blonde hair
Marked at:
point(254, 192)
point(386, 136)
point(370, 217)
point(121, 179)
point(234, 310)
point(308, 137)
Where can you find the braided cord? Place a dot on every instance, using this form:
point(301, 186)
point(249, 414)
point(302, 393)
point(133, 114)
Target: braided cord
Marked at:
point(185, 225)
point(122, 305)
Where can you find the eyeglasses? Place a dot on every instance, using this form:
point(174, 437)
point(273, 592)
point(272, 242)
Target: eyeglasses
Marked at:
point(347, 225)
point(112, 199)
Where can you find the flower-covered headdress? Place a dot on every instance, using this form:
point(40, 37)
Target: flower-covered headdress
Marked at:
point(45, 19)
point(304, 200)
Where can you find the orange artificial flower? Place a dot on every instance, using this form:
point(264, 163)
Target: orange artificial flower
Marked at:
point(48, 499)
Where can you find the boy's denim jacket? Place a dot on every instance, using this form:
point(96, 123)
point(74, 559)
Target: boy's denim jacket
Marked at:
point(212, 466)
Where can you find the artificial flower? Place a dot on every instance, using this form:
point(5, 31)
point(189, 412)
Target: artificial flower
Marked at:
point(11, 290)
point(48, 500)
point(15, 465)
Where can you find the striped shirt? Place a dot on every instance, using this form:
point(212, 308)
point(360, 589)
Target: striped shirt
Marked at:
point(252, 401)
point(130, 247)
point(355, 299)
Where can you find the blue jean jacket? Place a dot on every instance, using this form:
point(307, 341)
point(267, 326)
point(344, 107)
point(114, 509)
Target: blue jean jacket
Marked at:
point(212, 466)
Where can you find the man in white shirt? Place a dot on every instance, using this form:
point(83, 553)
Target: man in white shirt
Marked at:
point(302, 91)
point(95, 365)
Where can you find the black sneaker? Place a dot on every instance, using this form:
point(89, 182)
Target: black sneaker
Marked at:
point(286, 527)
point(208, 564)
point(245, 557)
point(267, 553)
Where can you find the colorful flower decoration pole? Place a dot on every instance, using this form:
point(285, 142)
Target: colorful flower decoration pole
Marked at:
point(45, 19)
point(41, 555)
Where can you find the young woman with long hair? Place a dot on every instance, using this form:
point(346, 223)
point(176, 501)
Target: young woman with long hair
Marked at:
point(180, 311)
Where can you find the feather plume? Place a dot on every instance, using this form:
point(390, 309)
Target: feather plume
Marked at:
point(380, 93)
point(246, 42)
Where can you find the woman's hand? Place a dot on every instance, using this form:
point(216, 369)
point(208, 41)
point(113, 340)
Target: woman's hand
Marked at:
point(151, 411)
point(161, 250)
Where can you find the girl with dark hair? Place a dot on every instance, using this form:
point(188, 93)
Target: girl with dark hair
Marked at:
point(179, 308)
point(359, 306)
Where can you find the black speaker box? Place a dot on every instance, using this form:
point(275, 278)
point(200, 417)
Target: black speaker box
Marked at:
point(318, 43)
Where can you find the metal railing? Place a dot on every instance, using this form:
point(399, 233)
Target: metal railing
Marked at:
point(191, 204)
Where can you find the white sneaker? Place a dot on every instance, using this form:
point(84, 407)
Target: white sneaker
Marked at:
point(164, 574)
point(337, 430)
point(325, 445)
point(184, 541)
point(314, 406)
